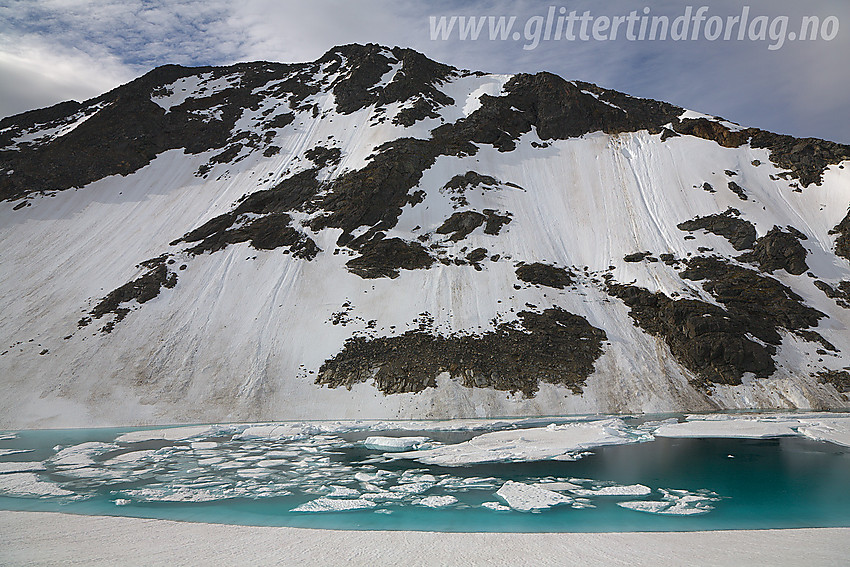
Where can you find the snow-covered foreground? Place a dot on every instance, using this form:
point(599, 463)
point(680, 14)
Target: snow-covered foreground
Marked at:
point(33, 538)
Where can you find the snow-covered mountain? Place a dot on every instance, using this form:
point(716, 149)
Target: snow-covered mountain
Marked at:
point(377, 235)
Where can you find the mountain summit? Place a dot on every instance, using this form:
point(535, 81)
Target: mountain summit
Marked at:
point(378, 235)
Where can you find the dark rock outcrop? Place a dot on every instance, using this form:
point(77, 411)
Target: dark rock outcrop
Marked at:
point(841, 293)
point(704, 338)
point(740, 233)
point(495, 221)
point(544, 274)
point(842, 242)
point(779, 249)
point(125, 130)
point(805, 158)
point(720, 344)
point(384, 258)
point(554, 346)
point(637, 256)
point(460, 225)
point(764, 302)
point(838, 378)
point(142, 289)
point(558, 109)
point(417, 80)
point(738, 190)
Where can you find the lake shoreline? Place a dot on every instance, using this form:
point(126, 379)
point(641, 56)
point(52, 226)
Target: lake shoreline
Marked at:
point(51, 538)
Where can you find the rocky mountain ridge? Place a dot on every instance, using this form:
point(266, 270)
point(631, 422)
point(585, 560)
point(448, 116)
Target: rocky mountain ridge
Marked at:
point(375, 234)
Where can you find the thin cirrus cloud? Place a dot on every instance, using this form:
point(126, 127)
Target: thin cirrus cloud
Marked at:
point(53, 50)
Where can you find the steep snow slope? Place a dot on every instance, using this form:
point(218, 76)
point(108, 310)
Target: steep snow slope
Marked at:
point(375, 235)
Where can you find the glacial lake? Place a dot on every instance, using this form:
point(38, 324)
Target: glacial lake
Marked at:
point(603, 474)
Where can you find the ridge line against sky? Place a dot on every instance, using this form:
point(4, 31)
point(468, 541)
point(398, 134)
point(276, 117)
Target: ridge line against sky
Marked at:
point(55, 50)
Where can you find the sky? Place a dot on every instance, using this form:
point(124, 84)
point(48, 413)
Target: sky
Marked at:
point(55, 50)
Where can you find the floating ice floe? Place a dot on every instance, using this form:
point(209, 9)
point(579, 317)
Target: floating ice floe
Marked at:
point(343, 492)
point(334, 505)
point(129, 458)
point(28, 484)
point(628, 490)
point(377, 476)
point(254, 473)
point(384, 496)
point(558, 486)
point(394, 443)
point(470, 483)
point(7, 452)
point(273, 463)
point(413, 487)
point(582, 503)
point(651, 506)
point(558, 442)
point(437, 501)
point(498, 506)
point(416, 475)
point(174, 495)
point(283, 431)
point(82, 455)
point(675, 503)
point(527, 498)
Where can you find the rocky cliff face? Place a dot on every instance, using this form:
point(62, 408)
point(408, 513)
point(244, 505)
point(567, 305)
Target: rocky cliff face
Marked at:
point(376, 235)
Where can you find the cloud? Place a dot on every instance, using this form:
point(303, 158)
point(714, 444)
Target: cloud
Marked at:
point(35, 75)
point(58, 49)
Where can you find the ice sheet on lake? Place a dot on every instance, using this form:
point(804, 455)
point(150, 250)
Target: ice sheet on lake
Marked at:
point(29, 484)
point(555, 441)
point(833, 430)
point(527, 498)
point(334, 505)
point(169, 434)
point(296, 429)
point(24, 466)
point(728, 428)
point(394, 443)
point(828, 427)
